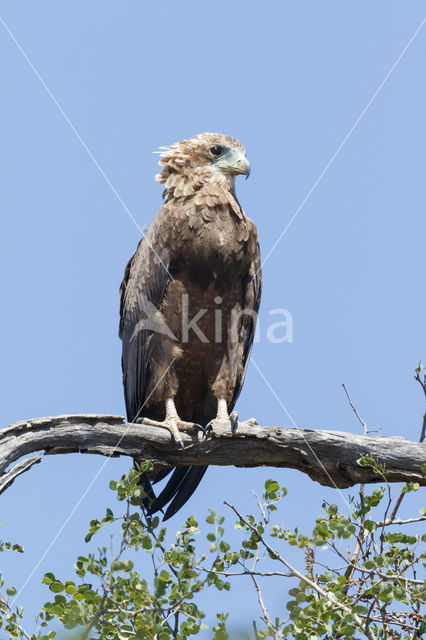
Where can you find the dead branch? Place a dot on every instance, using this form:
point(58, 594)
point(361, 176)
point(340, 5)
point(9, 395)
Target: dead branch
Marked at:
point(329, 457)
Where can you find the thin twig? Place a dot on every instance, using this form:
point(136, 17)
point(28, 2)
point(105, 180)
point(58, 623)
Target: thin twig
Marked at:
point(328, 596)
point(397, 505)
point(364, 424)
point(389, 521)
point(248, 572)
point(265, 612)
point(96, 617)
point(423, 431)
point(8, 611)
point(423, 386)
point(262, 510)
point(419, 380)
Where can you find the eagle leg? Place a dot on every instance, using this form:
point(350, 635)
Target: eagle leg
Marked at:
point(175, 425)
point(223, 416)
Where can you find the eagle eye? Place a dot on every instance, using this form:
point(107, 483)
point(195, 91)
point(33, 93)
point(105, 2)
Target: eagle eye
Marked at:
point(216, 151)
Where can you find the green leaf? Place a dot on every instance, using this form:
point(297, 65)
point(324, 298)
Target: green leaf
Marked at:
point(358, 608)
point(271, 486)
point(411, 486)
point(399, 593)
point(147, 543)
point(348, 630)
point(370, 525)
point(11, 591)
point(164, 576)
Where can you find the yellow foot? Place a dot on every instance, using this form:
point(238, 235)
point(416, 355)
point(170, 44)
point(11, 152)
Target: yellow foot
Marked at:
point(174, 424)
point(177, 427)
point(223, 417)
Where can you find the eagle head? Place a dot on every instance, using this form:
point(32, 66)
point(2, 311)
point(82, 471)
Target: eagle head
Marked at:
point(204, 159)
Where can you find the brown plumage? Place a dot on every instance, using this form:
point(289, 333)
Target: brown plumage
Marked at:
point(199, 258)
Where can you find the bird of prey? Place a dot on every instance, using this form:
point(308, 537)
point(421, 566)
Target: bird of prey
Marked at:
point(189, 300)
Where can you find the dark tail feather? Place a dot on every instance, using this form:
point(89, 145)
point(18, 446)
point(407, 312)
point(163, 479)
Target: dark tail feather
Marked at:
point(178, 489)
point(146, 483)
point(185, 490)
point(170, 490)
point(160, 475)
point(147, 487)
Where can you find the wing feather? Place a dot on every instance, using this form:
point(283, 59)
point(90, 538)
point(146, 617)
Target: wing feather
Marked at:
point(142, 293)
point(252, 295)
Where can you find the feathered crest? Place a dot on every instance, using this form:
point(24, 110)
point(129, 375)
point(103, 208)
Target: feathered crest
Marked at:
point(187, 171)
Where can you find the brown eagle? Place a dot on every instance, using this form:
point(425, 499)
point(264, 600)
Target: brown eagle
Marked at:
point(189, 300)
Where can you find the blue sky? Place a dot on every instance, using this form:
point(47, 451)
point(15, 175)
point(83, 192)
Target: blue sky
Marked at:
point(289, 79)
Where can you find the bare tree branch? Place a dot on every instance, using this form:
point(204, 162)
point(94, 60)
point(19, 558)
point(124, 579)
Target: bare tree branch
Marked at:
point(329, 457)
point(354, 409)
point(20, 467)
point(418, 377)
point(422, 383)
point(389, 521)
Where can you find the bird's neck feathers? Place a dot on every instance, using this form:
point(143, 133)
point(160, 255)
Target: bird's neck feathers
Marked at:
point(204, 186)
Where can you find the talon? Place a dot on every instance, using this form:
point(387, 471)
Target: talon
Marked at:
point(203, 429)
point(234, 421)
point(208, 427)
point(180, 443)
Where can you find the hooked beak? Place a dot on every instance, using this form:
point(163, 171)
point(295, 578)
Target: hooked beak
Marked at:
point(234, 163)
point(240, 165)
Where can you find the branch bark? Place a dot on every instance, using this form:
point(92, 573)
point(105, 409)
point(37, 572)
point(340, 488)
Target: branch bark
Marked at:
point(329, 457)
